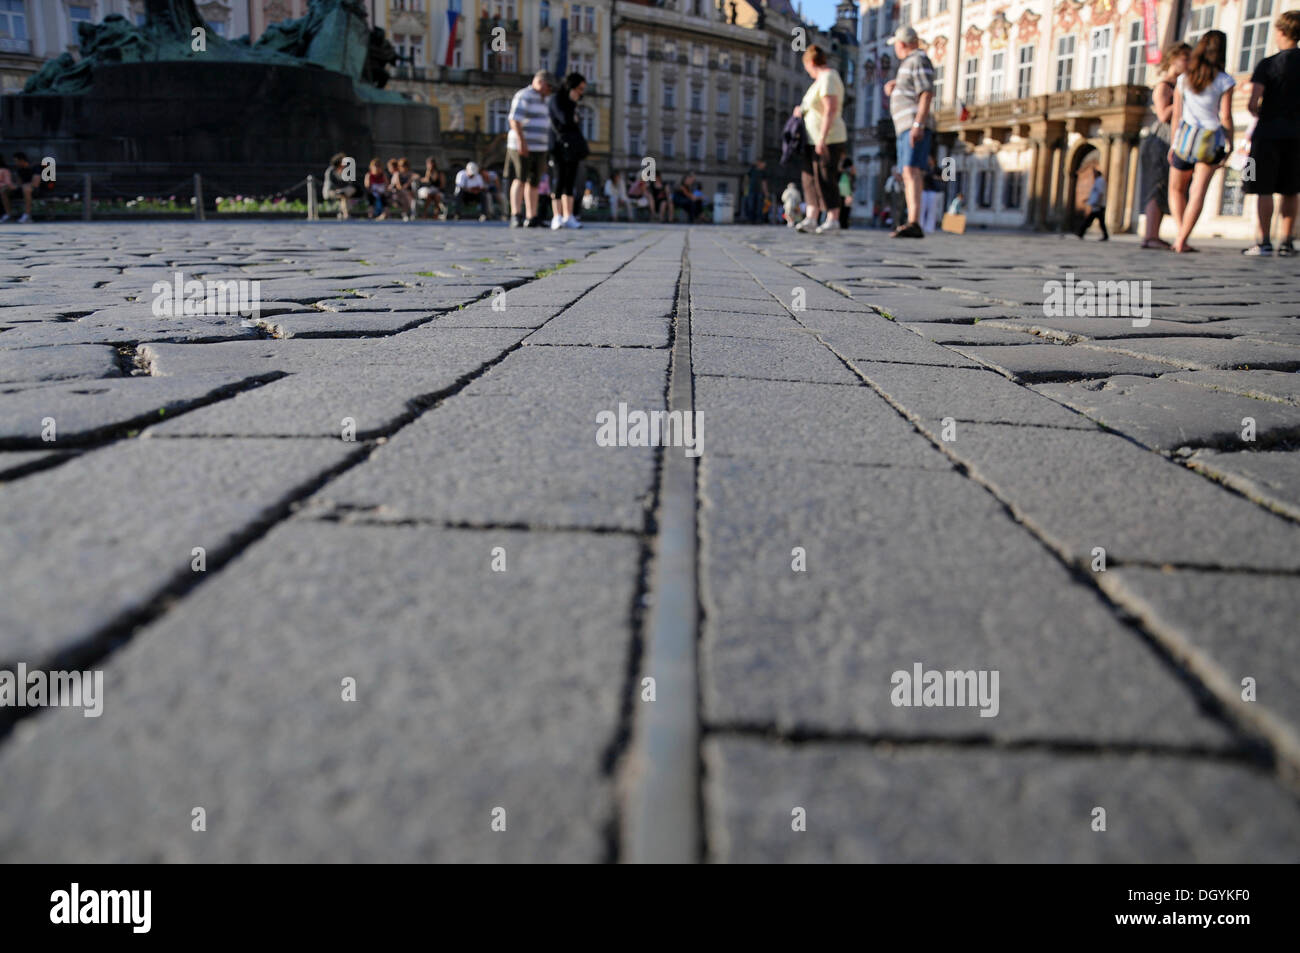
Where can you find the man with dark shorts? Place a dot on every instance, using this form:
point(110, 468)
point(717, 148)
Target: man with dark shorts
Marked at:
point(1275, 144)
point(911, 94)
point(526, 145)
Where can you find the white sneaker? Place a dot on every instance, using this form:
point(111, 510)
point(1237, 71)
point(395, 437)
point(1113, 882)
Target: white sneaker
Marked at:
point(805, 225)
point(557, 223)
point(572, 223)
point(830, 225)
point(25, 220)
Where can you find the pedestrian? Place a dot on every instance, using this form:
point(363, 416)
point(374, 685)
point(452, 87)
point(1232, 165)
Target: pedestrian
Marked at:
point(791, 199)
point(376, 184)
point(336, 187)
point(846, 184)
point(432, 186)
point(958, 205)
point(755, 192)
point(1202, 124)
point(1096, 207)
point(911, 94)
point(685, 198)
point(527, 143)
point(470, 190)
point(568, 148)
point(896, 198)
point(6, 185)
point(931, 198)
point(660, 207)
point(1275, 143)
point(1154, 154)
point(402, 187)
point(24, 180)
point(822, 113)
point(617, 195)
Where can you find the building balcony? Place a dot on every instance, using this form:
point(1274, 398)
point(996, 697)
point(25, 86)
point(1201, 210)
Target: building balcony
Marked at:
point(488, 24)
point(1124, 107)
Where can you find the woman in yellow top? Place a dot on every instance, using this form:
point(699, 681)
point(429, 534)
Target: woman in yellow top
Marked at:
point(822, 113)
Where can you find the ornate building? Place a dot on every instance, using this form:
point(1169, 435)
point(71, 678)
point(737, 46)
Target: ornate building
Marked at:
point(1056, 89)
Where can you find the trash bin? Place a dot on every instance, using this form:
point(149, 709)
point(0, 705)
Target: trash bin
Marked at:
point(724, 208)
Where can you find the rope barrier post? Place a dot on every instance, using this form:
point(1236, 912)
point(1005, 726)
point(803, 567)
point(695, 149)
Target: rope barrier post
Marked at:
point(85, 197)
point(311, 199)
point(198, 197)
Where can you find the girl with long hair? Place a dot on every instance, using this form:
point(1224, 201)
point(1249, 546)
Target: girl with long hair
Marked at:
point(1202, 132)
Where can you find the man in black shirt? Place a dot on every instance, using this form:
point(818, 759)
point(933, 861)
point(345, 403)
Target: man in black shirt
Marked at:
point(1275, 144)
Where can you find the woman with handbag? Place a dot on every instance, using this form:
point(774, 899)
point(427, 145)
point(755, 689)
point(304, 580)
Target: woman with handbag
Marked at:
point(1202, 138)
point(568, 148)
point(1154, 154)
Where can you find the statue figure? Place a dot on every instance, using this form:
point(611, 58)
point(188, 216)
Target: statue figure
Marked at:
point(732, 21)
point(380, 54)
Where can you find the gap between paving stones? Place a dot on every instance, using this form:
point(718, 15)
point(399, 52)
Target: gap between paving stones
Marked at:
point(1275, 749)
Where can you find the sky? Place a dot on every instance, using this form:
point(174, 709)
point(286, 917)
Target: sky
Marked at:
point(821, 12)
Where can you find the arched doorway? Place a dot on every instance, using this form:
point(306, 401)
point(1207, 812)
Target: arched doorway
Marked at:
point(1085, 166)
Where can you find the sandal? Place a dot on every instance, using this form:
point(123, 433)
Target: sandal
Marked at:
point(1156, 243)
point(1186, 250)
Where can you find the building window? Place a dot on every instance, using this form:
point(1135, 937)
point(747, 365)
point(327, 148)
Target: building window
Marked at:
point(1013, 189)
point(587, 121)
point(575, 20)
point(544, 15)
point(544, 59)
point(636, 45)
point(634, 92)
point(724, 60)
point(697, 98)
point(997, 69)
point(1199, 21)
point(938, 86)
point(722, 150)
point(985, 182)
point(498, 116)
point(670, 96)
point(79, 13)
point(634, 143)
point(697, 55)
point(697, 7)
point(971, 82)
point(724, 101)
point(670, 51)
point(904, 14)
point(1233, 200)
point(923, 10)
point(1135, 71)
point(1099, 57)
point(747, 104)
point(589, 20)
point(1025, 73)
point(750, 68)
point(1254, 33)
point(1064, 64)
point(695, 148)
point(13, 27)
point(670, 146)
point(746, 152)
point(943, 6)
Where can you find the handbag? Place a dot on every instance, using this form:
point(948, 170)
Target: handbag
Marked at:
point(1193, 143)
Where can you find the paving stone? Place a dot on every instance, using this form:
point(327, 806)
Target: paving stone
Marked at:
point(1268, 477)
point(808, 422)
point(799, 359)
point(983, 333)
point(1209, 354)
point(1083, 490)
point(1069, 330)
point(462, 705)
point(934, 393)
point(13, 462)
point(65, 363)
point(1242, 632)
point(1168, 414)
point(73, 560)
point(869, 805)
point(89, 409)
point(499, 452)
point(1264, 385)
point(908, 566)
point(1030, 363)
point(872, 338)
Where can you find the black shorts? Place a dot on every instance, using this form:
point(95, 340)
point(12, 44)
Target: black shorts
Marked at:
point(526, 168)
point(1277, 167)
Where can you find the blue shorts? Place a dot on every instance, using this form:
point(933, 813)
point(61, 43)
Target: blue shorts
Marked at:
point(918, 156)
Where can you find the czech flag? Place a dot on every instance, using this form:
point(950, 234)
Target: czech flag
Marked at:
point(448, 57)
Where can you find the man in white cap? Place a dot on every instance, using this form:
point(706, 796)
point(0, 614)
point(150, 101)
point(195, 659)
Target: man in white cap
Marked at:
point(911, 94)
point(469, 189)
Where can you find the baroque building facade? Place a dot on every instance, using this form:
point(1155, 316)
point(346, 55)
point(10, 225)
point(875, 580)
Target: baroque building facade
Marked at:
point(1034, 97)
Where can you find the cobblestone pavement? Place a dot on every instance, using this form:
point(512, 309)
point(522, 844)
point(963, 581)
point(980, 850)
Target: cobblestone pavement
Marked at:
point(362, 585)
